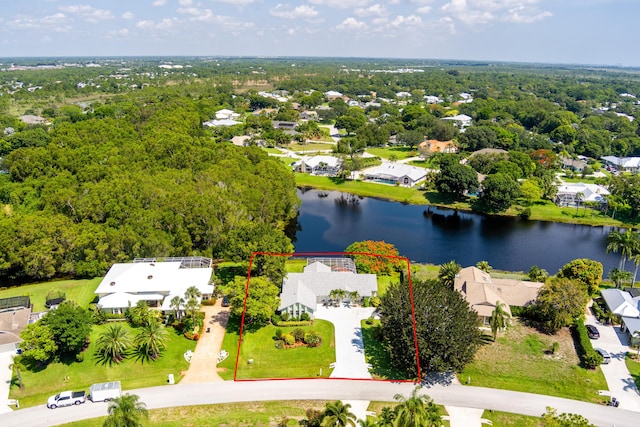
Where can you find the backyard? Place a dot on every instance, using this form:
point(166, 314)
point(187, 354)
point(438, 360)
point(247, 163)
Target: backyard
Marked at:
point(132, 372)
point(79, 291)
point(521, 360)
point(270, 362)
point(400, 153)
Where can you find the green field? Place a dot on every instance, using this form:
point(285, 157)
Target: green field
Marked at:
point(310, 147)
point(270, 362)
point(520, 360)
point(80, 291)
point(399, 152)
point(133, 373)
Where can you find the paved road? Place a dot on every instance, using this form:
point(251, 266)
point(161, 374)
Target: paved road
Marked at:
point(328, 389)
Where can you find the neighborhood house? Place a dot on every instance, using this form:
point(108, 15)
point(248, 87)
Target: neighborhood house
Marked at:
point(627, 308)
point(302, 292)
point(152, 281)
point(318, 165)
point(483, 293)
point(396, 174)
point(569, 194)
point(15, 313)
point(623, 164)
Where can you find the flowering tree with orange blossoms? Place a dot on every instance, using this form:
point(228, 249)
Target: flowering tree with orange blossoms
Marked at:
point(387, 263)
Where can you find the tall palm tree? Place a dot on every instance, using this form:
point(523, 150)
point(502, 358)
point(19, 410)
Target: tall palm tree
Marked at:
point(192, 292)
point(354, 296)
point(484, 266)
point(636, 260)
point(337, 414)
point(619, 276)
point(126, 411)
point(626, 243)
point(113, 343)
point(417, 410)
point(386, 417)
point(176, 304)
point(499, 319)
point(448, 272)
point(152, 339)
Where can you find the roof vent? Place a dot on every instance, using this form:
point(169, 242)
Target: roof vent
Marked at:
point(112, 284)
point(150, 277)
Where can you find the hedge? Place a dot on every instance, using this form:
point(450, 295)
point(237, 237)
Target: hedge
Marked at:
point(293, 323)
point(588, 356)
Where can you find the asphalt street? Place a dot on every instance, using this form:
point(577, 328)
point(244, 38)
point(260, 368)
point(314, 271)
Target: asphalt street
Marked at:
point(329, 389)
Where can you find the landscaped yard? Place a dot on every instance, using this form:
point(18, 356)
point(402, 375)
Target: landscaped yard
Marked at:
point(231, 414)
point(520, 361)
point(310, 147)
point(399, 152)
point(633, 364)
point(271, 362)
point(133, 373)
point(376, 355)
point(79, 291)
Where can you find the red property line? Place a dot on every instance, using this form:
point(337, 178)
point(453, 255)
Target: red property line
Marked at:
point(308, 254)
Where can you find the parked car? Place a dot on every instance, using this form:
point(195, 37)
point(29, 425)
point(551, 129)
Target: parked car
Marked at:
point(592, 331)
point(225, 302)
point(66, 398)
point(103, 392)
point(605, 356)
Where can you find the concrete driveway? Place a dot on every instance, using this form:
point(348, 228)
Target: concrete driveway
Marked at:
point(619, 380)
point(350, 360)
point(6, 359)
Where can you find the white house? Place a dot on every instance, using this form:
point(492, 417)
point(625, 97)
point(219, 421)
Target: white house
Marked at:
point(627, 308)
point(155, 282)
point(221, 122)
point(571, 193)
point(461, 121)
point(318, 165)
point(332, 94)
point(226, 114)
point(302, 292)
point(626, 164)
point(396, 174)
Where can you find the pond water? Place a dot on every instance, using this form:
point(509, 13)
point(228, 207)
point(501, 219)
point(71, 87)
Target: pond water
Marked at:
point(331, 221)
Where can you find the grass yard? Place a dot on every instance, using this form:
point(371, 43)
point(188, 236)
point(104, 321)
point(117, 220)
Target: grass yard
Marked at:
point(295, 265)
point(261, 414)
point(419, 164)
point(376, 355)
point(133, 373)
point(399, 152)
point(310, 147)
point(507, 419)
point(519, 361)
point(633, 364)
point(80, 291)
point(286, 160)
point(385, 281)
point(270, 362)
point(424, 271)
point(272, 150)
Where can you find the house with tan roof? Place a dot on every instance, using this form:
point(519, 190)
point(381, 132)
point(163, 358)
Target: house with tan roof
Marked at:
point(435, 146)
point(483, 292)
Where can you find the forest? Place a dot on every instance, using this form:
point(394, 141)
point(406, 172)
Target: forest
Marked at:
point(122, 166)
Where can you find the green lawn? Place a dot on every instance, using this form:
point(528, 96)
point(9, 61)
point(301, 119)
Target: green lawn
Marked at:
point(578, 178)
point(231, 414)
point(376, 355)
point(270, 362)
point(507, 419)
point(80, 291)
point(271, 150)
point(399, 152)
point(385, 281)
point(634, 367)
point(419, 163)
point(519, 361)
point(310, 147)
point(133, 373)
point(296, 265)
point(286, 160)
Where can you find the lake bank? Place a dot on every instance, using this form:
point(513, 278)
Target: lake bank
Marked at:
point(542, 211)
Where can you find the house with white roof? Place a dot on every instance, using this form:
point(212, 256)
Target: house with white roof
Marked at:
point(318, 165)
point(396, 174)
point(571, 193)
point(431, 99)
point(223, 122)
point(226, 114)
point(302, 292)
point(154, 281)
point(627, 308)
point(461, 121)
point(332, 94)
point(623, 164)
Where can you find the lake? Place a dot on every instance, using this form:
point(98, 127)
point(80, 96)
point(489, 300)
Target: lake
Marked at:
point(331, 221)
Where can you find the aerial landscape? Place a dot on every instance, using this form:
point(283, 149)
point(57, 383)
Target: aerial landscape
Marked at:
point(319, 213)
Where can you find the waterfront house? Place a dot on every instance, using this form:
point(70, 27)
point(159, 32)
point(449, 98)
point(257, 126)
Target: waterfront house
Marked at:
point(396, 174)
point(318, 165)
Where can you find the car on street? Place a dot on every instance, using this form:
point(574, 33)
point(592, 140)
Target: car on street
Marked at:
point(606, 359)
point(592, 331)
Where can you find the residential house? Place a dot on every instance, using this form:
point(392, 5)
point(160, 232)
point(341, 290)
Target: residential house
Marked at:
point(483, 292)
point(302, 292)
point(240, 140)
point(627, 308)
point(287, 127)
point(575, 165)
point(154, 281)
point(435, 146)
point(15, 313)
point(332, 94)
point(461, 121)
point(226, 114)
point(623, 164)
point(30, 119)
point(431, 99)
point(222, 122)
point(318, 165)
point(309, 115)
point(569, 194)
point(396, 174)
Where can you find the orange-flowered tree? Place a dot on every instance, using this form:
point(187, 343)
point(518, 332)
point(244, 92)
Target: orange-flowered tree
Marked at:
point(386, 263)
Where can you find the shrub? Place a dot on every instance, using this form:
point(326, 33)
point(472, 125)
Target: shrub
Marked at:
point(375, 301)
point(555, 347)
point(369, 321)
point(275, 319)
point(293, 323)
point(279, 344)
point(278, 334)
point(80, 357)
point(284, 316)
point(191, 336)
point(588, 356)
point(289, 339)
point(211, 301)
point(312, 339)
point(298, 334)
point(366, 302)
point(305, 317)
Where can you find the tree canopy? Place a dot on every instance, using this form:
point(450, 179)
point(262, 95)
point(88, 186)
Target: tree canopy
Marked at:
point(387, 263)
point(262, 299)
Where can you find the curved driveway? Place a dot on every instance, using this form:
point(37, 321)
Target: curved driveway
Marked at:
point(328, 389)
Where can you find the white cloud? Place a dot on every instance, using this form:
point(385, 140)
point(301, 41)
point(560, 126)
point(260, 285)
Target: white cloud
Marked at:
point(54, 23)
point(478, 12)
point(123, 32)
point(185, 2)
point(423, 10)
point(299, 12)
point(127, 15)
point(56, 18)
point(351, 24)
point(237, 2)
point(341, 4)
point(409, 21)
point(145, 25)
point(88, 13)
point(159, 3)
point(373, 10)
point(516, 17)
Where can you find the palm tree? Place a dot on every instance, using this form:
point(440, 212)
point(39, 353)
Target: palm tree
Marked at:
point(152, 339)
point(192, 292)
point(636, 260)
point(579, 198)
point(499, 318)
point(386, 417)
point(113, 343)
point(354, 296)
point(619, 276)
point(484, 266)
point(126, 411)
point(448, 272)
point(626, 243)
point(368, 422)
point(338, 414)
point(176, 303)
point(417, 410)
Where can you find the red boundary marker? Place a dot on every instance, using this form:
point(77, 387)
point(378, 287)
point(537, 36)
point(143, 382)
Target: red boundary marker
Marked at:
point(308, 254)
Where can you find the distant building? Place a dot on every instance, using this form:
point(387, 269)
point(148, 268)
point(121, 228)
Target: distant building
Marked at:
point(332, 94)
point(226, 114)
point(219, 123)
point(623, 164)
point(318, 165)
point(396, 174)
point(569, 194)
point(462, 121)
point(435, 146)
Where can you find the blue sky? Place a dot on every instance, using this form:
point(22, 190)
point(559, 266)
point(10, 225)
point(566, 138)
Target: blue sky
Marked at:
point(556, 31)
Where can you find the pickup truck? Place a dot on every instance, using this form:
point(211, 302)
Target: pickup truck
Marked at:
point(66, 398)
